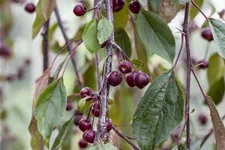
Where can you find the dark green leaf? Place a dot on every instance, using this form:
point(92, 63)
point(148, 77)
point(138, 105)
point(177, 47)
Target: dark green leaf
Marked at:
point(218, 30)
point(217, 90)
point(90, 36)
point(193, 10)
point(49, 108)
point(123, 40)
point(107, 146)
point(121, 17)
point(104, 30)
point(156, 35)
point(43, 11)
point(181, 1)
point(162, 101)
point(155, 4)
point(90, 77)
point(138, 63)
point(63, 133)
point(216, 69)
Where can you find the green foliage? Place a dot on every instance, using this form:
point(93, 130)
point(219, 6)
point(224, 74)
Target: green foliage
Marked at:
point(123, 40)
point(162, 101)
point(155, 4)
point(43, 11)
point(121, 17)
point(107, 146)
point(181, 1)
point(104, 30)
point(193, 10)
point(51, 101)
point(159, 39)
point(138, 63)
point(218, 30)
point(84, 105)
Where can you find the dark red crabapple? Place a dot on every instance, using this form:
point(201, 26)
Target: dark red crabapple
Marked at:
point(79, 9)
point(118, 5)
point(108, 124)
point(130, 78)
point(95, 109)
point(84, 125)
point(10, 77)
point(83, 144)
point(202, 119)
point(134, 7)
point(69, 105)
point(4, 51)
point(86, 92)
point(203, 64)
point(104, 44)
point(89, 136)
point(114, 78)
point(77, 119)
point(141, 80)
point(207, 34)
point(125, 67)
point(30, 7)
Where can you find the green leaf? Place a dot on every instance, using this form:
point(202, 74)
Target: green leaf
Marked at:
point(104, 30)
point(162, 101)
point(155, 4)
point(107, 146)
point(90, 77)
point(159, 39)
point(52, 30)
point(138, 63)
point(193, 10)
point(49, 108)
point(216, 69)
point(123, 40)
point(218, 126)
point(84, 105)
point(179, 147)
point(121, 17)
point(217, 90)
point(218, 30)
point(90, 36)
point(181, 1)
point(43, 12)
point(63, 133)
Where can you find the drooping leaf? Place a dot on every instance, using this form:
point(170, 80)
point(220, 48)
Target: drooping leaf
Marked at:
point(216, 69)
point(218, 30)
point(107, 146)
point(49, 108)
point(84, 104)
point(123, 40)
point(121, 17)
point(43, 12)
point(162, 101)
point(193, 10)
point(155, 5)
point(104, 30)
point(52, 30)
point(218, 126)
point(217, 90)
point(63, 133)
point(181, 1)
point(90, 36)
point(90, 76)
point(159, 39)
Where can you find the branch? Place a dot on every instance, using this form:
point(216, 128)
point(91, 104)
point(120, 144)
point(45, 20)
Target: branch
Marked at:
point(45, 46)
point(188, 79)
point(101, 129)
point(125, 138)
point(70, 48)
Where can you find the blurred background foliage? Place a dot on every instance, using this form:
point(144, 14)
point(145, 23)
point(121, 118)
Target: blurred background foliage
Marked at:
point(22, 66)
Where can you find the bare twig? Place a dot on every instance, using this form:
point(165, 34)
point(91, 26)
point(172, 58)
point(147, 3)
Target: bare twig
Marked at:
point(45, 46)
point(70, 48)
point(188, 79)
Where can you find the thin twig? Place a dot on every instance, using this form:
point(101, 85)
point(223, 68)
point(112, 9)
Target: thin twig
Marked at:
point(199, 9)
point(181, 132)
point(45, 47)
point(180, 50)
point(125, 138)
point(70, 48)
point(188, 79)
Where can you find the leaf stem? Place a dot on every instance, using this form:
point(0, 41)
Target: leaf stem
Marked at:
point(45, 47)
point(70, 48)
point(188, 78)
point(199, 9)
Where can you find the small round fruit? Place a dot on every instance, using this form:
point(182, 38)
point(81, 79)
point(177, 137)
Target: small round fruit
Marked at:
point(134, 7)
point(108, 124)
point(83, 144)
point(141, 80)
point(202, 119)
point(77, 119)
point(118, 5)
point(79, 9)
point(104, 44)
point(125, 67)
point(84, 125)
point(114, 78)
point(203, 64)
point(4, 51)
point(30, 8)
point(96, 109)
point(86, 92)
point(130, 78)
point(207, 34)
point(69, 105)
point(89, 136)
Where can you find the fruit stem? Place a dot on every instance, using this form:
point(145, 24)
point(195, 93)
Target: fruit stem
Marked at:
point(199, 9)
point(101, 129)
point(45, 47)
point(180, 50)
point(70, 48)
point(188, 78)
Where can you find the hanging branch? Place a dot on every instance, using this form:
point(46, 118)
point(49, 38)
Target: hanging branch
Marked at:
point(188, 79)
point(101, 129)
point(70, 48)
point(45, 47)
